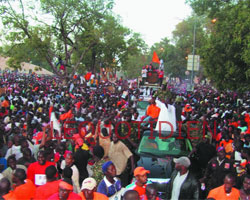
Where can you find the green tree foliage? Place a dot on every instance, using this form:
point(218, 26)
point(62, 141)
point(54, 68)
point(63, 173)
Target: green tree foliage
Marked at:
point(226, 54)
point(83, 33)
point(134, 65)
point(209, 7)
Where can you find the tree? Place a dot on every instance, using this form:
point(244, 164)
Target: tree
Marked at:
point(66, 23)
point(209, 7)
point(225, 53)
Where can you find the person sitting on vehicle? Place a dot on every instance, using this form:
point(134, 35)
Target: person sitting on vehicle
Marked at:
point(152, 112)
point(144, 72)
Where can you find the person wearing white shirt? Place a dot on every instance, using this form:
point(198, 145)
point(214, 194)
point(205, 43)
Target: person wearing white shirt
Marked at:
point(69, 160)
point(15, 149)
point(182, 185)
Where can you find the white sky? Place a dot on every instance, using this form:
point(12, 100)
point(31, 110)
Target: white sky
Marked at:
point(154, 19)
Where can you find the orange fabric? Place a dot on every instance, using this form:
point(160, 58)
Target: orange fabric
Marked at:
point(47, 190)
point(65, 185)
point(229, 149)
point(87, 76)
point(219, 193)
point(153, 111)
point(5, 104)
point(235, 124)
point(25, 191)
point(67, 115)
point(72, 96)
point(155, 58)
point(223, 143)
point(140, 190)
point(50, 110)
point(10, 196)
point(97, 196)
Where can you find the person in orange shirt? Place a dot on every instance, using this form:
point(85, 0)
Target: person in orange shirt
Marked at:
point(141, 181)
point(23, 188)
point(5, 190)
point(226, 191)
point(88, 191)
point(52, 185)
point(152, 113)
point(5, 103)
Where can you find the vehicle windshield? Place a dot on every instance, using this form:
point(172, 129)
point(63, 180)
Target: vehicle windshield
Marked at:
point(164, 147)
point(142, 105)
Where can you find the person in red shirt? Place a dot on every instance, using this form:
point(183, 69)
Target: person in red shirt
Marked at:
point(52, 185)
point(36, 170)
point(23, 188)
point(65, 191)
point(160, 76)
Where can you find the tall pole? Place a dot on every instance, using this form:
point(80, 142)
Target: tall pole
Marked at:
point(194, 35)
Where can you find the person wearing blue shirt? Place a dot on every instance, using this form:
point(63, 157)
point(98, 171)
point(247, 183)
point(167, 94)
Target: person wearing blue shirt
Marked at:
point(109, 185)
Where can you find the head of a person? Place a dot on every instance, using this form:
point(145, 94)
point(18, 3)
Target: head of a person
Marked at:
point(24, 144)
point(88, 188)
point(41, 157)
point(246, 184)
point(61, 148)
point(247, 138)
point(152, 101)
point(182, 163)
point(67, 172)
point(69, 159)
point(229, 182)
point(221, 153)
point(26, 153)
point(50, 173)
point(131, 195)
point(98, 152)
point(16, 140)
point(115, 139)
point(11, 161)
point(245, 153)
point(108, 169)
point(151, 192)
point(65, 188)
point(226, 137)
point(19, 176)
point(140, 174)
point(4, 186)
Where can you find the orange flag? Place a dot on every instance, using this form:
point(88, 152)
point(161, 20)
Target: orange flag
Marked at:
point(155, 58)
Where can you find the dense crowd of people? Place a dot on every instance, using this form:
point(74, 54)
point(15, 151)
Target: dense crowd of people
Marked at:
point(62, 140)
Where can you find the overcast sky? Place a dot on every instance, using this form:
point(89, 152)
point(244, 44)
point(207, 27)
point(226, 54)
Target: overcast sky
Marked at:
point(154, 19)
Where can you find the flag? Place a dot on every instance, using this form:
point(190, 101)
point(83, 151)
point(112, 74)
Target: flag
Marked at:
point(155, 58)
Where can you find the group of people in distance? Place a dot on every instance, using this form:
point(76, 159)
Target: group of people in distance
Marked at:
point(63, 141)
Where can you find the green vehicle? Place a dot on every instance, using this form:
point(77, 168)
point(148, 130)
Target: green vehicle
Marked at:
point(157, 151)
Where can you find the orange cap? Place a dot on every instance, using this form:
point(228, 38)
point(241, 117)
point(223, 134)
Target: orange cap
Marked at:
point(140, 171)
